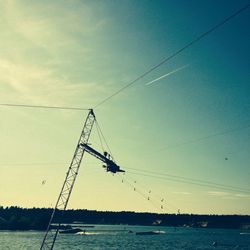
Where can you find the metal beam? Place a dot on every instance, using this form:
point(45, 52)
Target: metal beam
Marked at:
point(111, 166)
point(63, 199)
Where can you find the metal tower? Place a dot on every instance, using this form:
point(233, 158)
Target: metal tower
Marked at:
point(62, 201)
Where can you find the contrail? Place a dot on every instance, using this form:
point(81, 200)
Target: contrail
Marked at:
point(168, 74)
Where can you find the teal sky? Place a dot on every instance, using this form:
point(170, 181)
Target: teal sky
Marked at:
point(77, 53)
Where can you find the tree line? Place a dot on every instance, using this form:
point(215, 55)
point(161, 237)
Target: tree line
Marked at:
point(17, 218)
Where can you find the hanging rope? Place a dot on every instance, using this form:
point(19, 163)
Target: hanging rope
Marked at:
point(99, 136)
point(104, 139)
point(128, 183)
point(159, 199)
point(159, 205)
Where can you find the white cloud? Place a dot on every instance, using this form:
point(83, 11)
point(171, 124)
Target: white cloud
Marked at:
point(182, 193)
point(226, 195)
point(217, 193)
point(242, 195)
point(43, 52)
point(54, 25)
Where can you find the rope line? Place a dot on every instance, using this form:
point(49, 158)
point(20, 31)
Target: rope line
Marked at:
point(176, 53)
point(104, 139)
point(140, 193)
point(191, 182)
point(192, 179)
point(204, 138)
point(41, 106)
point(99, 136)
point(160, 200)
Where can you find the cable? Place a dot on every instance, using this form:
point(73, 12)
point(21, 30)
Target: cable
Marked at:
point(148, 174)
point(176, 53)
point(204, 138)
point(192, 183)
point(139, 192)
point(105, 141)
point(38, 163)
point(32, 164)
point(148, 71)
point(40, 106)
point(99, 136)
point(194, 180)
point(160, 198)
point(145, 173)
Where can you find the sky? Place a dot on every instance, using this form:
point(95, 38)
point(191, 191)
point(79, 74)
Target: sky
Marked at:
point(193, 122)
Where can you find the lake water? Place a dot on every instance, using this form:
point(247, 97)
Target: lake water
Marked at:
point(110, 237)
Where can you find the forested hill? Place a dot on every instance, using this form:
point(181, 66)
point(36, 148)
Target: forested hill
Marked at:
point(16, 218)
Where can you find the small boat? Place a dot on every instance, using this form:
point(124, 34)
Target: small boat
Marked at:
point(150, 232)
point(71, 231)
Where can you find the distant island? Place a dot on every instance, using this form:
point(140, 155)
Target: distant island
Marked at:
point(17, 218)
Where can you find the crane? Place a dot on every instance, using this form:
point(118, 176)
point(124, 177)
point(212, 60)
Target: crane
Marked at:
point(68, 184)
point(106, 158)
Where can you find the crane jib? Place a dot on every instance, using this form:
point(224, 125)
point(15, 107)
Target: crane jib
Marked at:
point(111, 165)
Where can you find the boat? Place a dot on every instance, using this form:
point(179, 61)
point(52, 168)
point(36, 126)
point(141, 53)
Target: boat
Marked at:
point(71, 231)
point(150, 232)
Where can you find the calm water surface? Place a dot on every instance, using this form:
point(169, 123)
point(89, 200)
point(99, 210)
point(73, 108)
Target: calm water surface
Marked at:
point(110, 237)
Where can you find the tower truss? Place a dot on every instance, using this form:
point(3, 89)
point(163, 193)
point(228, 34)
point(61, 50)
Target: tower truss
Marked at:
point(63, 199)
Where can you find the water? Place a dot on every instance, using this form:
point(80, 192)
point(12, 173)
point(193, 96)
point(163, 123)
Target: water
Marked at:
point(111, 237)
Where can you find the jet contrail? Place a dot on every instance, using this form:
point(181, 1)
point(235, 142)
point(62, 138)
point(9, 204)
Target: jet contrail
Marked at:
point(168, 74)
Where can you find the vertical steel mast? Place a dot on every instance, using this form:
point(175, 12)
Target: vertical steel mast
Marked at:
point(62, 201)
